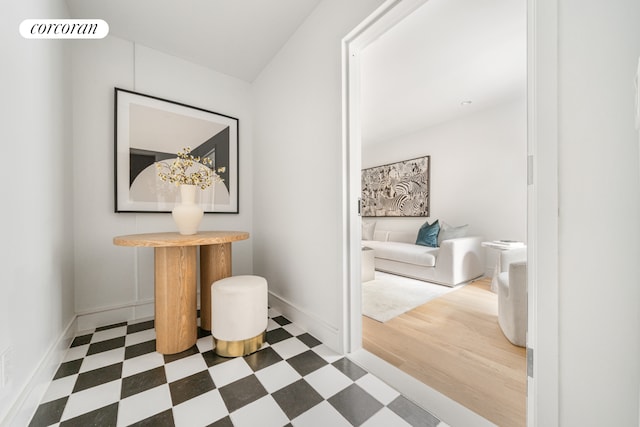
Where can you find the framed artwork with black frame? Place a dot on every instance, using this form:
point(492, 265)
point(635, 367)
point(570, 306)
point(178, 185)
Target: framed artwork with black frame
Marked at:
point(148, 130)
point(397, 189)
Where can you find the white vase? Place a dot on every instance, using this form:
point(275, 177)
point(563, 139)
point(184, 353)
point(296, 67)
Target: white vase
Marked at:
point(187, 214)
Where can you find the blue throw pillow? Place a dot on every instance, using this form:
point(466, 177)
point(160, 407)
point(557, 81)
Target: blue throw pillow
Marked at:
point(428, 234)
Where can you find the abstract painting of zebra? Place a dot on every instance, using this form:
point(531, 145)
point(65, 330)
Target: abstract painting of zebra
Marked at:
point(397, 189)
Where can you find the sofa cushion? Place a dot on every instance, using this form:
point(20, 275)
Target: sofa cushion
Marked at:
point(402, 236)
point(450, 232)
point(428, 234)
point(405, 252)
point(368, 227)
point(381, 236)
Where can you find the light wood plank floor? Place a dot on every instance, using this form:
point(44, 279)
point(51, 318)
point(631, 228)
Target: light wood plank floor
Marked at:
point(454, 345)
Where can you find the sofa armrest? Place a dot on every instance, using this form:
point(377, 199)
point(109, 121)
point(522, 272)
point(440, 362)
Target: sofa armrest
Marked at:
point(460, 260)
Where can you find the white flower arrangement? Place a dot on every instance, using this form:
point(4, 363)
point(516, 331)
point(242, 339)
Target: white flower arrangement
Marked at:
point(181, 170)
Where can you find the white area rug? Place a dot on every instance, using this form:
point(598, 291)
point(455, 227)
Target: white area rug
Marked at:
point(388, 295)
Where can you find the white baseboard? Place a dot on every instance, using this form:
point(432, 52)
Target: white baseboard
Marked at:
point(22, 410)
point(104, 316)
point(445, 409)
point(144, 309)
point(328, 334)
point(108, 315)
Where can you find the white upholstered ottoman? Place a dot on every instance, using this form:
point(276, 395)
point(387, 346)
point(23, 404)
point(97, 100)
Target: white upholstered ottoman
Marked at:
point(238, 315)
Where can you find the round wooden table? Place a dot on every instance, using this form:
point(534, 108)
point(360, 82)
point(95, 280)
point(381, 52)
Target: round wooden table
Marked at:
point(175, 281)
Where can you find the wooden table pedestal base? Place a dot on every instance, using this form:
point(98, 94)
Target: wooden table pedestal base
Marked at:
point(215, 264)
point(176, 273)
point(175, 307)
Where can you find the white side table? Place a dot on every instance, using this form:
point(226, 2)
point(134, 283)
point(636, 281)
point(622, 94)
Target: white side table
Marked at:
point(501, 245)
point(368, 266)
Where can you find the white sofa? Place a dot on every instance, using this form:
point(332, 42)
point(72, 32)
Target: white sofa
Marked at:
point(456, 261)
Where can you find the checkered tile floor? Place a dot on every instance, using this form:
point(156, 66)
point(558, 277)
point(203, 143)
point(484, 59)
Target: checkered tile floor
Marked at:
point(114, 377)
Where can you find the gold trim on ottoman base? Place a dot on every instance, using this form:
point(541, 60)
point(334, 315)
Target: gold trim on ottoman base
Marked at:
point(239, 348)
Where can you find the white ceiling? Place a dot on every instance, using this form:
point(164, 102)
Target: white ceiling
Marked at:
point(446, 52)
point(235, 37)
point(415, 75)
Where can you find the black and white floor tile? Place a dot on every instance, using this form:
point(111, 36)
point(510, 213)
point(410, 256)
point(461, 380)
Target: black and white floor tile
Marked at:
point(114, 377)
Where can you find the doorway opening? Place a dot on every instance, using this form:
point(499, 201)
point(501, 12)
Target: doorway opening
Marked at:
point(387, 17)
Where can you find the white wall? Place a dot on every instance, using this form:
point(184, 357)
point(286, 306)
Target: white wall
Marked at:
point(478, 172)
point(36, 290)
point(297, 230)
point(297, 196)
point(120, 278)
point(599, 200)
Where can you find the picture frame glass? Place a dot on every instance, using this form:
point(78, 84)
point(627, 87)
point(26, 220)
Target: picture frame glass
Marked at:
point(397, 189)
point(148, 130)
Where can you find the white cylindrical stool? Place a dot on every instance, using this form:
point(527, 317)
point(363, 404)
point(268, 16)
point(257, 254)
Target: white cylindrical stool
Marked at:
point(238, 315)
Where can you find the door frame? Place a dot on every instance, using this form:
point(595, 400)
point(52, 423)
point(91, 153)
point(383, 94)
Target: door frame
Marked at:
point(542, 193)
